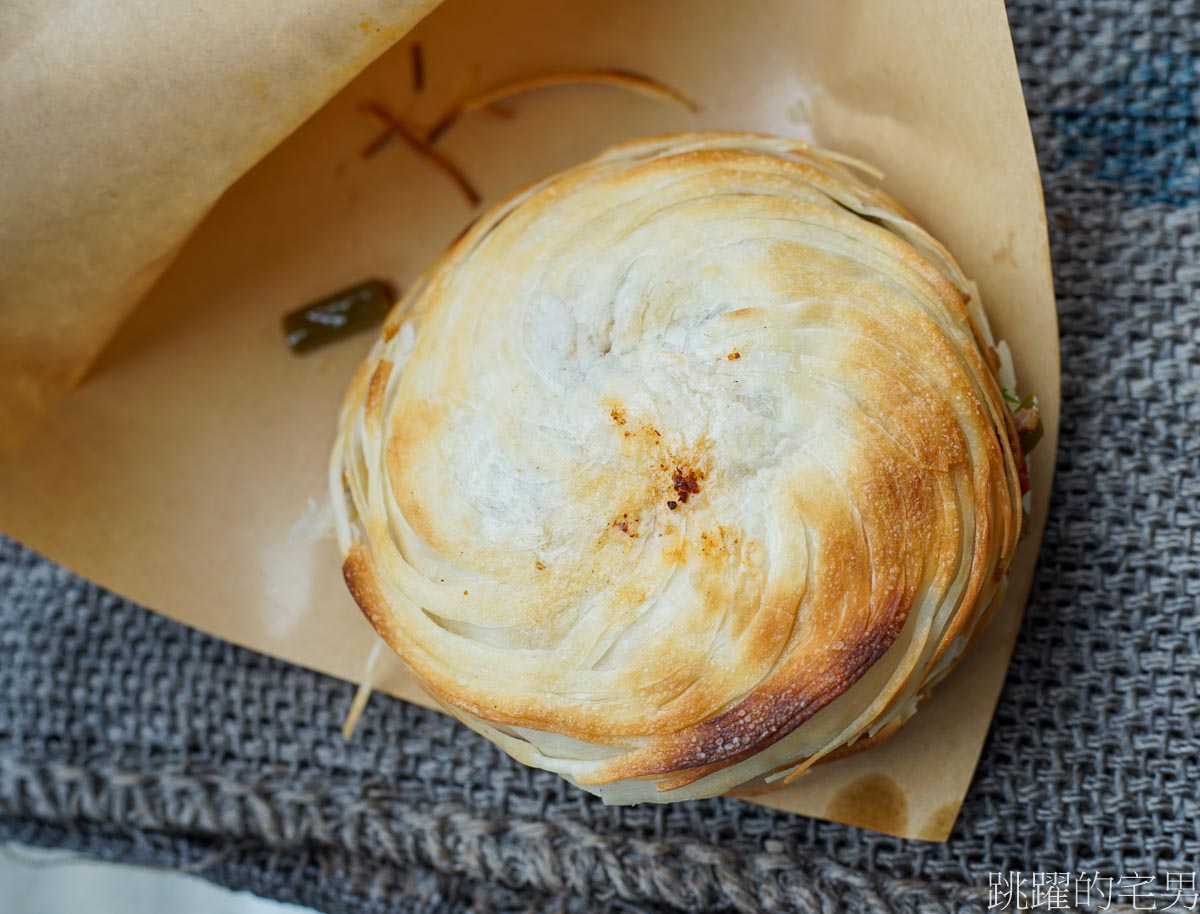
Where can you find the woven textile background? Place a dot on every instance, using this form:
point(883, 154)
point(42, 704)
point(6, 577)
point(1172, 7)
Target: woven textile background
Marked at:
point(129, 737)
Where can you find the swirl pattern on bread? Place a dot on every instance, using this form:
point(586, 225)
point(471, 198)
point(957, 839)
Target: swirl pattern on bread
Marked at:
point(682, 469)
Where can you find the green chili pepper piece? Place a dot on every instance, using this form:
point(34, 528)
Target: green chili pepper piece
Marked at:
point(338, 315)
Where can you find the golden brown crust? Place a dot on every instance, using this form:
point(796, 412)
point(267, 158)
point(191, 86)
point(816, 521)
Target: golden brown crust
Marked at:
point(696, 469)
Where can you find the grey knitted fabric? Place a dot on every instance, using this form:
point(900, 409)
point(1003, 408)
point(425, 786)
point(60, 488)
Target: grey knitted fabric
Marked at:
point(129, 737)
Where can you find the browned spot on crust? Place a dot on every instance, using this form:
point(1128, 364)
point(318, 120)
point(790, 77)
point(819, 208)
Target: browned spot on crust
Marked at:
point(359, 575)
point(762, 719)
point(644, 445)
point(357, 392)
point(745, 312)
point(686, 482)
point(872, 801)
point(628, 525)
point(676, 551)
point(376, 390)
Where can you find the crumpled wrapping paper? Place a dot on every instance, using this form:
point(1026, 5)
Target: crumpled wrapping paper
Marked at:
point(121, 123)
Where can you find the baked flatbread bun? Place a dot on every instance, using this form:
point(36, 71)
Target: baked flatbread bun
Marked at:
point(682, 469)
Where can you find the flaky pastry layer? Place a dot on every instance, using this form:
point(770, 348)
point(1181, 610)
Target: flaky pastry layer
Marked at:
point(682, 469)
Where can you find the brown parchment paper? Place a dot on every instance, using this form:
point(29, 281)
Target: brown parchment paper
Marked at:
point(175, 472)
point(121, 122)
